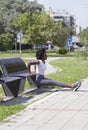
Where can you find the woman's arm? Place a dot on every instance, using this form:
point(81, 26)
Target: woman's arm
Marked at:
point(32, 63)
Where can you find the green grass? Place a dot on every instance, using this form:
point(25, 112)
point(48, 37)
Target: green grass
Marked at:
point(6, 111)
point(12, 55)
point(73, 69)
point(1, 93)
point(32, 54)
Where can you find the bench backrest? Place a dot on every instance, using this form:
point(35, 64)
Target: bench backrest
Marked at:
point(12, 65)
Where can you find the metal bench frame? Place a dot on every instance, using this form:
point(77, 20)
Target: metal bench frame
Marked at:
point(10, 85)
point(16, 67)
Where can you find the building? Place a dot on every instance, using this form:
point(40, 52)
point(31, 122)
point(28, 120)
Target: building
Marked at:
point(64, 16)
point(78, 29)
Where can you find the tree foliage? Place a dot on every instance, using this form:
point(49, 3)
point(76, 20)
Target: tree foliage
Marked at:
point(84, 33)
point(38, 28)
point(84, 37)
point(33, 21)
point(9, 9)
point(84, 42)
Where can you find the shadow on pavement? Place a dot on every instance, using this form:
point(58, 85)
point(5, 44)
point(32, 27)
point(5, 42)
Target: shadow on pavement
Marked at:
point(27, 97)
point(33, 95)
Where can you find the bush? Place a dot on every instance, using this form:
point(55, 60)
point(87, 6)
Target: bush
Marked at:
point(6, 42)
point(84, 53)
point(62, 51)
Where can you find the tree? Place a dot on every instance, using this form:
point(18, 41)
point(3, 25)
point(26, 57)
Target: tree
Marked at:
point(39, 28)
point(61, 36)
point(35, 26)
point(84, 42)
point(84, 34)
point(12, 8)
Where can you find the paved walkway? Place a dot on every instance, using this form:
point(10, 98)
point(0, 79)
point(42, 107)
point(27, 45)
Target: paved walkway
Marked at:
point(51, 109)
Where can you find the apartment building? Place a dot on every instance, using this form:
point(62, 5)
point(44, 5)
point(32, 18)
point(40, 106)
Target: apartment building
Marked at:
point(62, 15)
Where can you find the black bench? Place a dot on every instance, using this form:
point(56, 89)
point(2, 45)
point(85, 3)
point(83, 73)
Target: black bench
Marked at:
point(16, 67)
point(10, 85)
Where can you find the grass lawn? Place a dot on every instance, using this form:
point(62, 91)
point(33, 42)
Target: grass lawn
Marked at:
point(6, 111)
point(12, 55)
point(32, 54)
point(73, 69)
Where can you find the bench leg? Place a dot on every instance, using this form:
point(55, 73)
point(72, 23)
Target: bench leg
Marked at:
point(31, 82)
point(11, 88)
point(22, 84)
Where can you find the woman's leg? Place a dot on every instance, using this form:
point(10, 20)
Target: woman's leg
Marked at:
point(41, 81)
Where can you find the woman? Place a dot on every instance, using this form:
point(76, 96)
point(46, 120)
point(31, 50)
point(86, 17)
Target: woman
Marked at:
point(40, 68)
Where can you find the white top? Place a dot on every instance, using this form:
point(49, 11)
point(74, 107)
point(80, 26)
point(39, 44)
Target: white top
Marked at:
point(40, 68)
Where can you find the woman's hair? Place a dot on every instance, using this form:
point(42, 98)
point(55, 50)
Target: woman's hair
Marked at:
point(40, 53)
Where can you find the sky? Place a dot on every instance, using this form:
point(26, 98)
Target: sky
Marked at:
point(78, 8)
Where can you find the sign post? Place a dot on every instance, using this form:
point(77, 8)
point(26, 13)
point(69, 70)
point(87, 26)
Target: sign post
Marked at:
point(19, 40)
point(15, 45)
point(69, 43)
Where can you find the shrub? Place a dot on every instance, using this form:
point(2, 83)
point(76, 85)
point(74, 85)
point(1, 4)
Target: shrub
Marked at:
point(62, 51)
point(84, 53)
point(6, 42)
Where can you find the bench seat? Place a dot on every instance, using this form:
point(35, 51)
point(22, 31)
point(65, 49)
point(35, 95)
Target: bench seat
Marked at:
point(8, 79)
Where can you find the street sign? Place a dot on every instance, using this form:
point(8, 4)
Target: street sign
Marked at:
point(69, 41)
point(19, 37)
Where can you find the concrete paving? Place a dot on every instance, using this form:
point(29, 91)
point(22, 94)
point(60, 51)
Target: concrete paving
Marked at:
point(50, 109)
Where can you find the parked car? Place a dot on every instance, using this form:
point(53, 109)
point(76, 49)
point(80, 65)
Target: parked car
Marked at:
point(44, 46)
point(39, 47)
